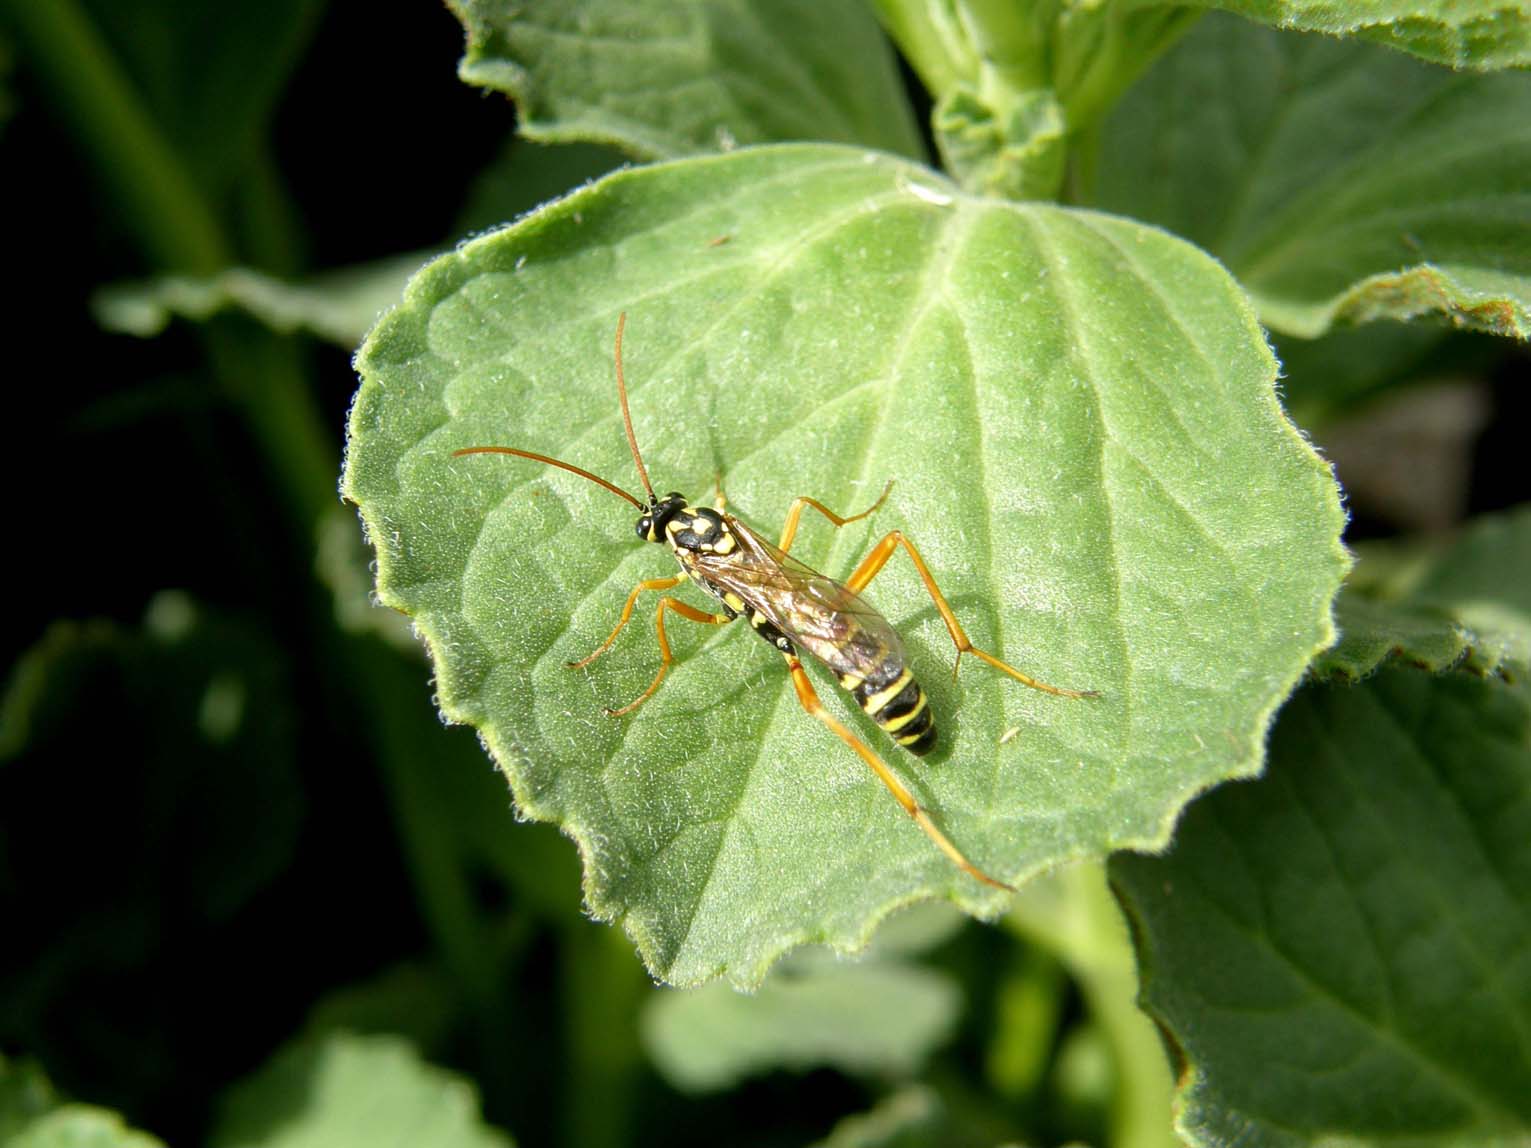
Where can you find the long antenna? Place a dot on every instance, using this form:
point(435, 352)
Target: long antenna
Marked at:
point(551, 462)
point(627, 418)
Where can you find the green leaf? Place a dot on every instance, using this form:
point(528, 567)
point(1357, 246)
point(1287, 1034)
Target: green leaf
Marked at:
point(353, 1090)
point(1079, 414)
point(1339, 950)
point(1467, 606)
point(668, 78)
point(1338, 181)
point(1464, 34)
point(876, 1018)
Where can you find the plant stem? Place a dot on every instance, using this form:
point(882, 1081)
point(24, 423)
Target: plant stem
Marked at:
point(1074, 915)
point(155, 193)
point(602, 986)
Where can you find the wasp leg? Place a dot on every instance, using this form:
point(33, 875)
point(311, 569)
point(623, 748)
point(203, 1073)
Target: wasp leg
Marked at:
point(627, 612)
point(809, 699)
point(719, 499)
point(878, 558)
point(789, 529)
point(665, 656)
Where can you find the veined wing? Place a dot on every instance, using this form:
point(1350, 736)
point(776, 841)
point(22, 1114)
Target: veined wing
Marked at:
point(817, 613)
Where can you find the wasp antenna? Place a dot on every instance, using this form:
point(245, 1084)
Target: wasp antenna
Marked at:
point(627, 418)
point(535, 457)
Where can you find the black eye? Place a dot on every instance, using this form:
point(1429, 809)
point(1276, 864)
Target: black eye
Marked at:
point(645, 525)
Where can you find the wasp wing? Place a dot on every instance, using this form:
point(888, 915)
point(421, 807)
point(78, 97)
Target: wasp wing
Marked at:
point(818, 614)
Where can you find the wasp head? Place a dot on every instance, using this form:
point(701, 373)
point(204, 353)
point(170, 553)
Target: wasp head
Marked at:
point(660, 511)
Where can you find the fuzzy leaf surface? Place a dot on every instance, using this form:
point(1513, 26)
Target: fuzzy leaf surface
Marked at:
point(1341, 950)
point(1477, 35)
point(667, 78)
point(1078, 411)
point(1338, 181)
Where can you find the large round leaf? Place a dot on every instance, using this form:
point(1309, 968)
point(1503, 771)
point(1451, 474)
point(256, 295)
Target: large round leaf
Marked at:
point(1080, 418)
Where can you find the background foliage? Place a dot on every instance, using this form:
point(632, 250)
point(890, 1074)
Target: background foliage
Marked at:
point(255, 893)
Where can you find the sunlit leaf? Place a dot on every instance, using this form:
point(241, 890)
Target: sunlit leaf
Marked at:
point(1466, 34)
point(1080, 418)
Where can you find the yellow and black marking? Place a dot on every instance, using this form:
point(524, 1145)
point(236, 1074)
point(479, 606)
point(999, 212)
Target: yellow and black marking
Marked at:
point(894, 700)
point(793, 607)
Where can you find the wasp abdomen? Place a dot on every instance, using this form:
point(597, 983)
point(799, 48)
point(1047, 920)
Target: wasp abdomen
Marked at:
point(895, 701)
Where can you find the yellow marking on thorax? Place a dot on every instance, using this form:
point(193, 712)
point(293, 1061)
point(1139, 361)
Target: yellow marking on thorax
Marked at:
point(884, 696)
point(733, 602)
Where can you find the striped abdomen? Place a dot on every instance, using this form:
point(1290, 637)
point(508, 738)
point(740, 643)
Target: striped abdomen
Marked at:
point(894, 700)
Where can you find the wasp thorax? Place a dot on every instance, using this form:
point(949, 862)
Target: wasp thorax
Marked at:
point(700, 529)
point(651, 527)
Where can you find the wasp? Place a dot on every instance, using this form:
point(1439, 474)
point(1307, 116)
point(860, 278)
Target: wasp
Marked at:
point(794, 608)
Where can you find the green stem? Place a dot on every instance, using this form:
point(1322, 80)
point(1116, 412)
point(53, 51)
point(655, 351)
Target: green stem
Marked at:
point(152, 188)
point(1074, 915)
point(603, 984)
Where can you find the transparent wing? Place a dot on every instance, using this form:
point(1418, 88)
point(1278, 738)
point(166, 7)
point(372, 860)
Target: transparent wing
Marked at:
point(817, 613)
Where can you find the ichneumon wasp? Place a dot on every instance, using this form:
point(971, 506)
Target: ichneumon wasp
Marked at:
point(792, 607)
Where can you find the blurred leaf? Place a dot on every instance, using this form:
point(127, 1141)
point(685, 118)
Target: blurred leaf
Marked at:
point(25, 1094)
point(1338, 181)
point(31, 1116)
point(1469, 605)
point(1080, 415)
point(1464, 34)
point(665, 78)
point(1340, 949)
point(364, 1091)
point(413, 1001)
point(876, 1018)
point(912, 1117)
point(339, 306)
